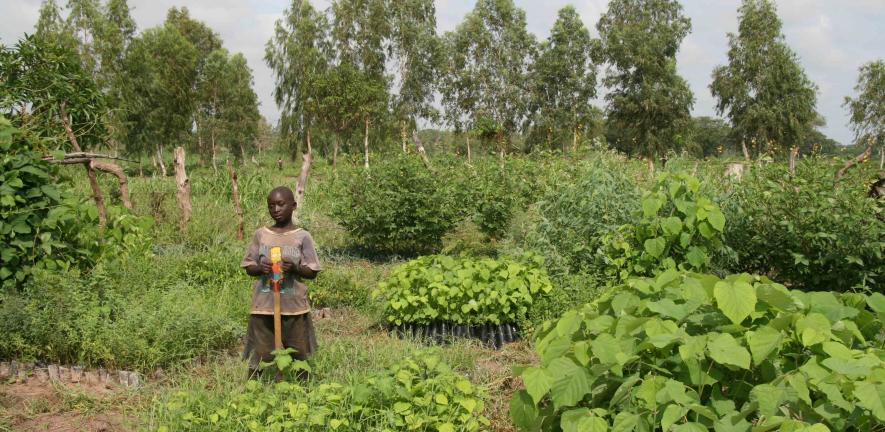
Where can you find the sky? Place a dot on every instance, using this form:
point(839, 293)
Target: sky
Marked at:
point(832, 38)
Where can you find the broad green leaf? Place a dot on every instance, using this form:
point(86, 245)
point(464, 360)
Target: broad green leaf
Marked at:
point(605, 348)
point(446, 427)
point(537, 383)
point(671, 415)
point(690, 427)
point(762, 342)
point(716, 219)
point(667, 308)
point(872, 397)
point(650, 206)
point(623, 390)
point(582, 420)
point(776, 296)
point(671, 225)
point(625, 422)
point(797, 381)
point(696, 257)
point(724, 349)
point(569, 322)
point(655, 246)
point(736, 300)
point(571, 382)
point(813, 329)
point(768, 397)
point(524, 412)
point(876, 302)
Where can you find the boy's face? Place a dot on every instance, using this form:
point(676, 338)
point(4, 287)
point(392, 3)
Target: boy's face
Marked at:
point(280, 207)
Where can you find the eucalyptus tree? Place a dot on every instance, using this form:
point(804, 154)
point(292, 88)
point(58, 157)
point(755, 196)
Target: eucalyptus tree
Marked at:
point(648, 103)
point(763, 91)
point(486, 86)
point(564, 81)
point(867, 110)
point(298, 54)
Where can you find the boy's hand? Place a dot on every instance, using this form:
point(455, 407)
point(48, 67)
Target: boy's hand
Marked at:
point(288, 265)
point(266, 267)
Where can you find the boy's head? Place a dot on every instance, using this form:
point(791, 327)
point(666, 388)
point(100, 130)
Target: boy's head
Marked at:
point(281, 204)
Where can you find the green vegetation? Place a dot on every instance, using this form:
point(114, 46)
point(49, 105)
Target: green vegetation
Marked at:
point(695, 352)
point(462, 290)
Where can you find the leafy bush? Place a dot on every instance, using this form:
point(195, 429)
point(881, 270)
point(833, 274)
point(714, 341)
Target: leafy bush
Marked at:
point(399, 206)
point(807, 230)
point(462, 290)
point(43, 226)
point(574, 216)
point(678, 228)
point(695, 352)
point(418, 393)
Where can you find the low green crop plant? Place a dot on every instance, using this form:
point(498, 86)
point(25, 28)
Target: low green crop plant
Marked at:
point(678, 227)
point(462, 290)
point(418, 393)
point(693, 352)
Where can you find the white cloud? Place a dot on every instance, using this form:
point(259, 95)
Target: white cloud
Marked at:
point(832, 39)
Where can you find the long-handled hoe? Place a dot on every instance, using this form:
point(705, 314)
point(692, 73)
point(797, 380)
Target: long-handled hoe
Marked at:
point(276, 260)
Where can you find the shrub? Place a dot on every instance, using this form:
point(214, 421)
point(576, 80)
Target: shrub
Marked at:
point(462, 290)
point(697, 352)
point(399, 206)
point(807, 230)
point(678, 228)
point(418, 393)
point(574, 216)
point(335, 288)
point(44, 226)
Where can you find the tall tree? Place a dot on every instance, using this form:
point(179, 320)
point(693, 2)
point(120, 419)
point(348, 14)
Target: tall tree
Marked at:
point(763, 90)
point(161, 74)
point(487, 71)
point(240, 111)
point(564, 80)
point(417, 52)
point(867, 110)
point(298, 54)
point(50, 23)
point(648, 102)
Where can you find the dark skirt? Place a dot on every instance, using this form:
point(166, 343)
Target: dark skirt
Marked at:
point(298, 333)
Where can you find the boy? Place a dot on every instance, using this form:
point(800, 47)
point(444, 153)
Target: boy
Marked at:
point(299, 262)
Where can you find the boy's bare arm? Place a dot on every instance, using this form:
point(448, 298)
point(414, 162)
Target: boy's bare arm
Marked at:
point(301, 270)
point(259, 269)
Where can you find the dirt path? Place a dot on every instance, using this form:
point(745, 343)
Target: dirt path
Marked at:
point(40, 405)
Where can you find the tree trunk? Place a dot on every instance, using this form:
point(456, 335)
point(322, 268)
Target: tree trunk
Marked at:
point(794, 152)
point(184, 188)
point(335, 152)
point(861, 158)
point(468, 148)
point(160, 161)
point(421, 152)
point(403, 135)
point(302, 179)
point(366, 144)
point(309, 145)
point(214, 166)
point(746, 150)
point(882, 157)
point(651, 165)
point(575, 140)
point(90, 173)
point(235, 190)
point(121, 177)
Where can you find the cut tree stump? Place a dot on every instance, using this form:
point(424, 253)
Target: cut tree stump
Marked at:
point(183, 188)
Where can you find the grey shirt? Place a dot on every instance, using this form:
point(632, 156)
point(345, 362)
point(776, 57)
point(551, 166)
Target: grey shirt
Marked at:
point(297, 245)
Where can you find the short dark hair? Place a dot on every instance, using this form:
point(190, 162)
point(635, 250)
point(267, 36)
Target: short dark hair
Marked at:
point(283, 190)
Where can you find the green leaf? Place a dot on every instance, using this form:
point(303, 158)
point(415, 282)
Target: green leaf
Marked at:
point(716, 219)
point(625, 422)
point(813, 329)
point(797, 381)
point(671, 415)
point(671, 225)
point(736, 300)
point(582, 420)
point(872, 397)
point(523, 411)
point(446, 427)
point(655, 246)
point(650, 206)
point(605, 348)
point(762, 342)
point(537, 383)
point(696, 257)
point(768, 397)
point(724, 349)
point(571, 382)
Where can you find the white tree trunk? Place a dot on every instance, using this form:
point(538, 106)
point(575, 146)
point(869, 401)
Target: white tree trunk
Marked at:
point(184, 188)
point(214, 167)
point(160, 161)
point(468, 148)
point(366, 144)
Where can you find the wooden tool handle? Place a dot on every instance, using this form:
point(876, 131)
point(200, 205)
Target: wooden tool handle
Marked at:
point(277, 318)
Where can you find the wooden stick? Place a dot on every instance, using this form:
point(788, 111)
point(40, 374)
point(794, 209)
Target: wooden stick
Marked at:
point(236, 195)
point(121, 177)
point(184, 188)
point(277, 317)
point(794, 152)
point(861, 158)
point(90, 173)
point(420, 146)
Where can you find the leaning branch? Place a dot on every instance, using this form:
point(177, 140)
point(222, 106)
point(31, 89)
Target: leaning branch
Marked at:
point(861, 158)
point(90, 173)
point(421, 152)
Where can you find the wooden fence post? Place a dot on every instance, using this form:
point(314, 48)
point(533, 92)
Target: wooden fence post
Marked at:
point(184, 188)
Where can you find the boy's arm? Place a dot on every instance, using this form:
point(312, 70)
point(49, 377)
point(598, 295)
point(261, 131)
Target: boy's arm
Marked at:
point(309, 266)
